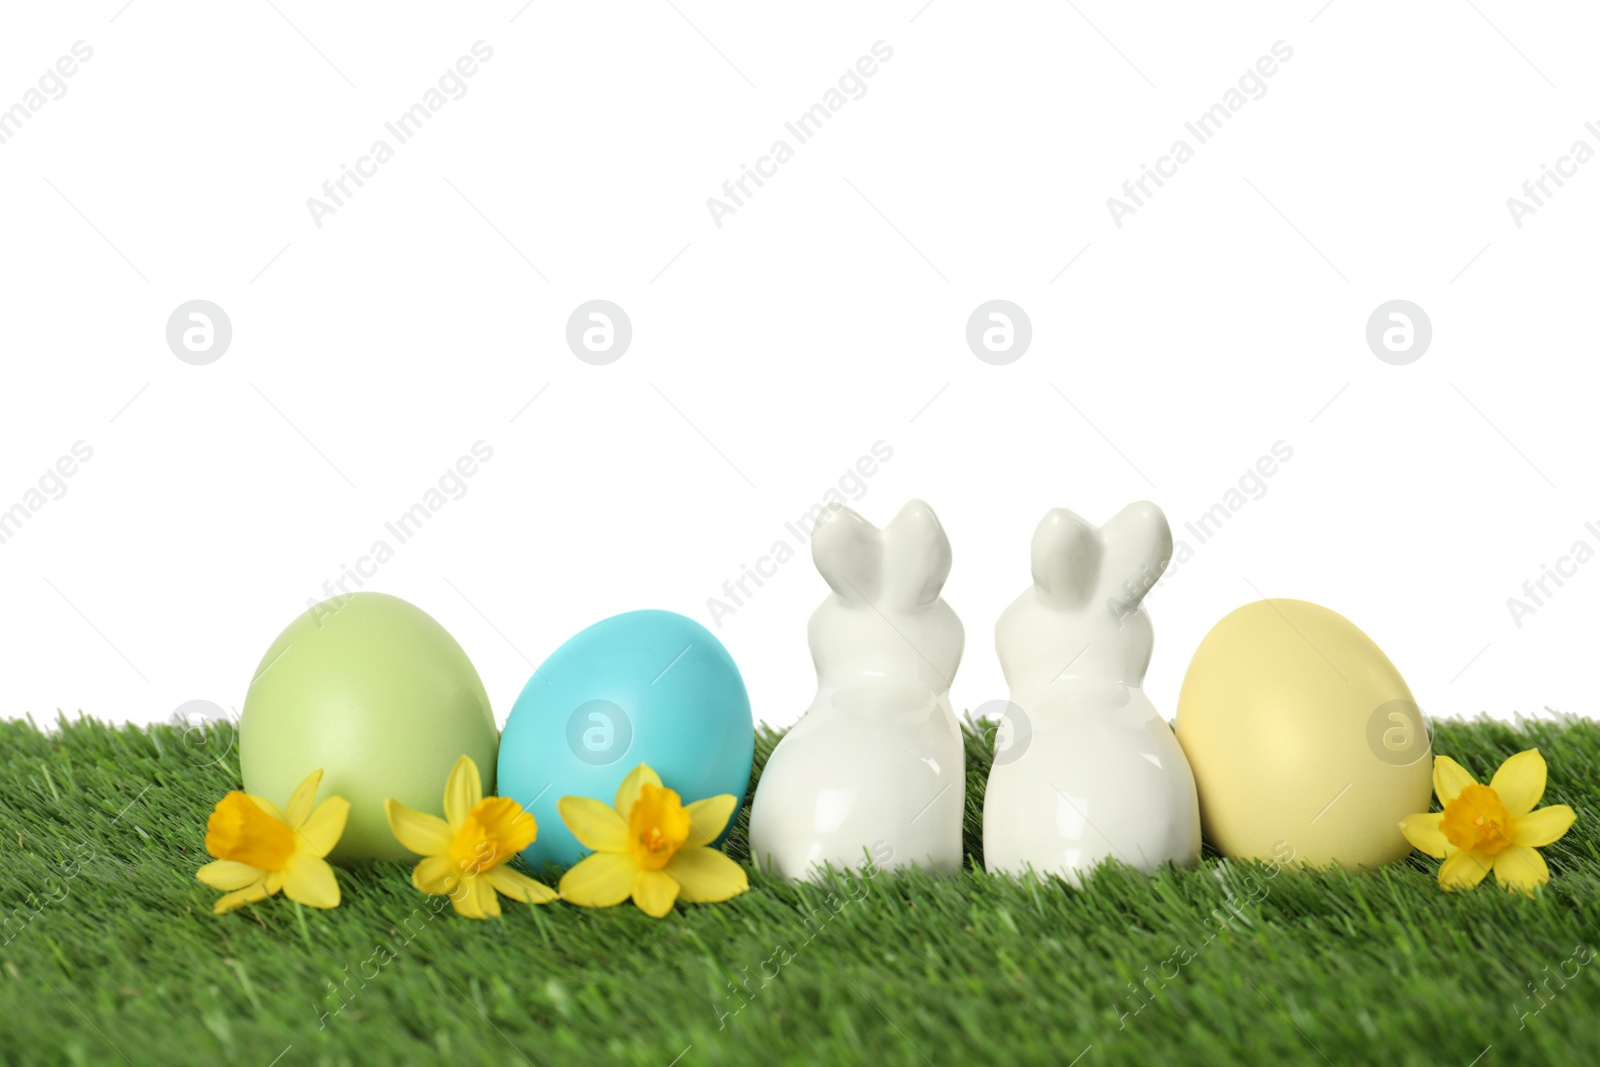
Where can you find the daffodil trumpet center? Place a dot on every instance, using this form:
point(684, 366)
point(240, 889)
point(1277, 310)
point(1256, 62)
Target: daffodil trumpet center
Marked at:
point(658, 826)
point(239, 830)
point(1476, 820)
point(496, 829)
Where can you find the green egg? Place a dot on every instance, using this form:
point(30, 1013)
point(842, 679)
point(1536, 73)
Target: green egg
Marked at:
point(378, 696)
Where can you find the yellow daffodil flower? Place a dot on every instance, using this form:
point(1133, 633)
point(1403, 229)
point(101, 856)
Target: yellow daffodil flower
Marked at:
point(1494, 826)
point(261, 850)
point(650, 847)
point(466, 855)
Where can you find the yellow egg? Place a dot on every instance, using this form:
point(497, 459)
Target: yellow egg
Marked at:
point(1305, 743)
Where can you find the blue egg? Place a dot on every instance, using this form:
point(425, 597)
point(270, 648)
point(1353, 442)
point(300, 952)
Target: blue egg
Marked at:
point(643, 687)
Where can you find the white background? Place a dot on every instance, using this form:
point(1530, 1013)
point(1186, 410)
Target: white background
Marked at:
point(769, 354)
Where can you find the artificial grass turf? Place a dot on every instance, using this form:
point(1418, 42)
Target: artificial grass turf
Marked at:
point(111, 953)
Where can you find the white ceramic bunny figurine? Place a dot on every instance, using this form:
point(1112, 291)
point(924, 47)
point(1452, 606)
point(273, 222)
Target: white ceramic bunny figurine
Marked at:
point(874, 773)
point(1086, 769)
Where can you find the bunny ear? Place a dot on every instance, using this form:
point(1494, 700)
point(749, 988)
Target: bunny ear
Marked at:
point(848, 552)
point(903, 565)
point(1066, 557)
point(916, 556)
point(1137, 545)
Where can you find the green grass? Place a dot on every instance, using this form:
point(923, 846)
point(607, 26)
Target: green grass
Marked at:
point(112, 954)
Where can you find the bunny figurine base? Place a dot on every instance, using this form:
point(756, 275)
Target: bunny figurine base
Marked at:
point(874, 774)
point(1086, 770)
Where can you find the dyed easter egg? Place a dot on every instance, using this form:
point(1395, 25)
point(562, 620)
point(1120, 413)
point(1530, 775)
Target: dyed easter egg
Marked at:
point(644, 687)
point(1305, 742)
point(375, 693)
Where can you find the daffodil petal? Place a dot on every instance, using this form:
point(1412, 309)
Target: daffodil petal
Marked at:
point(519, 886)
point(654, 892)
point(322, 830)
point(1542, 827)
point(594, 824)
point(628, 791)
point(1464, 869)
point(706, 876)
point(1520, 868)
point(464, 898)
point(488, 899)
point(309, 880)
point(229, 875)
point(1423, 832)
point(600, 880)
point(1520, 782)
point(1449, 779)
point(238, 899)
point(462, 791)
point(435, 876)
point(475, 899)
point(305, 794)
point(708, 818)
point(424, 834)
